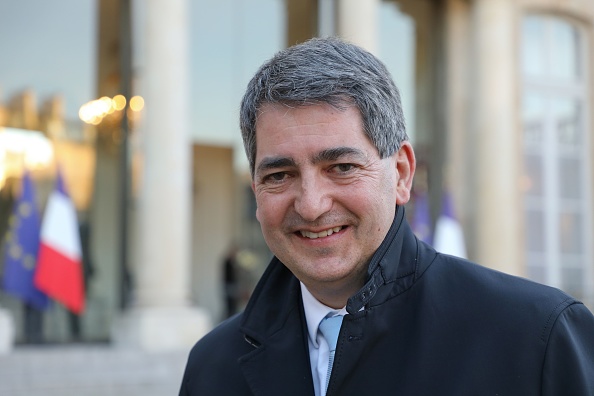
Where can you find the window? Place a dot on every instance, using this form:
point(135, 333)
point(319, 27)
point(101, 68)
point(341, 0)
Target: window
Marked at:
point(557, 196)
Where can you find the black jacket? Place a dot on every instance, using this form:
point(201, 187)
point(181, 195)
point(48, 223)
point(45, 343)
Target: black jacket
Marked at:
point(432, 325)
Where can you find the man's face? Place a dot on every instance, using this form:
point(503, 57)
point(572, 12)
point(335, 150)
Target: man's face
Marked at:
point(325, 198)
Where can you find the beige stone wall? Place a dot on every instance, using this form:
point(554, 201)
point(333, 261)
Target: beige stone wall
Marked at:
point(482, 160)
point(580, 9)
point(580, 13)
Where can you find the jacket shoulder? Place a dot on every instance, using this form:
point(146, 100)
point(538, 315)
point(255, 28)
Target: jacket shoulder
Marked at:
point(569, 359)
point(504, 296)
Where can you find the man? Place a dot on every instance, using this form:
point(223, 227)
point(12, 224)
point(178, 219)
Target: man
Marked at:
point(331, 171)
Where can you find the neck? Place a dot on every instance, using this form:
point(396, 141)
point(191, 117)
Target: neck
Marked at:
point(332, 296)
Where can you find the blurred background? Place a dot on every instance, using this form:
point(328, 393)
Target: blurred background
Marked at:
point(132, 107)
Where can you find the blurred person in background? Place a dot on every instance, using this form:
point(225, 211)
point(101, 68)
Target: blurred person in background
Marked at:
point(231, 281)
point(332, 169)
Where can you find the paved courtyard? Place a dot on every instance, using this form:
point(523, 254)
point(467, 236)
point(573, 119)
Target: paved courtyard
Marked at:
point(89, 370)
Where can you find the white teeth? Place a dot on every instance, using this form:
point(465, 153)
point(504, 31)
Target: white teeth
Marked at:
point(315, 235)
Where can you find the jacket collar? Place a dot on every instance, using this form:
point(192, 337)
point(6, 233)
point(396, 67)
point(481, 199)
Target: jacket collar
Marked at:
point(278, 294)
point(392, 268)
point(274, 322)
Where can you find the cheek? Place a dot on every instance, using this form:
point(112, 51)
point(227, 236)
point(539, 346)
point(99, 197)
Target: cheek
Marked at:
point(390, 186)
point(268, 212)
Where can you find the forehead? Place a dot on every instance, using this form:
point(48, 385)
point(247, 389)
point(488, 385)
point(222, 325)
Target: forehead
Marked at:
point(279, 124)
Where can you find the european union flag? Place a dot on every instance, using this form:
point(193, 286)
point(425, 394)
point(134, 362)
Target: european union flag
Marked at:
point(21, 247)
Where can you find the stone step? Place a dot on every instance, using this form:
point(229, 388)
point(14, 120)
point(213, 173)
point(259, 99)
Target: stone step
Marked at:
point(90, 370)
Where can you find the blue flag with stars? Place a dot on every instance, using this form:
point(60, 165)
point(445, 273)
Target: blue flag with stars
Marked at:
point(21, 247)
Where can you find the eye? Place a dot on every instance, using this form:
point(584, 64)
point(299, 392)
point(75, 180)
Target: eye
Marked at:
point(276, 177)
point(343, 168)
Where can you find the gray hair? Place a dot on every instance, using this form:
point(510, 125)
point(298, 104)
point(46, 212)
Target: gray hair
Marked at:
point(332, 71)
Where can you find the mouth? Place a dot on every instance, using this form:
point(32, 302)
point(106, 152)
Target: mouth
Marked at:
point(321, 234)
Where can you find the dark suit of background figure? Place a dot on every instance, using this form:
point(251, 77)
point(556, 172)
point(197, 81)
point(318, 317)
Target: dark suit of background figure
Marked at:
point(231, 283)
point(85, 238)
point(432, 325)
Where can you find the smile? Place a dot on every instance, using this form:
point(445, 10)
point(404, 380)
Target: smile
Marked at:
point(321, 234)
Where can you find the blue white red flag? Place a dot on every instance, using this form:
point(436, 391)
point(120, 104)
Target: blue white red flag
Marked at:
point(59, 272)
point(21, 248)
point(449, 236)
point(421, 221)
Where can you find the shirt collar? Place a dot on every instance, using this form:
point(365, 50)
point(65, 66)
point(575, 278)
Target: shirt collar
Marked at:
point(315, 311)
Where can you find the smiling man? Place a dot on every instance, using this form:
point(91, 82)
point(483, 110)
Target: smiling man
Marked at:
point(326, 198)
point(331, 171)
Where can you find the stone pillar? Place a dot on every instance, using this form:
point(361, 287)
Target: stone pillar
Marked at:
point(302, 20)
point(6, 331)
point(161, 317)
point(456, 168)
point(357, 21)
point(430, 135)
point(496, 129)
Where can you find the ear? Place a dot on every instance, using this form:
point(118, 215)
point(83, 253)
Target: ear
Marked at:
point(405, 167)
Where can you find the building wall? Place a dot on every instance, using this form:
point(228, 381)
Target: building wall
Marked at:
point(467, 129)
point(213, 223)
point(483, 160)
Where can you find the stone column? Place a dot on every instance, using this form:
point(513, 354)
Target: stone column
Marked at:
point(161, 317)
point(497, 135)
point(357, 21)
point(431, 133)
point(7, 332)
point(302, 20)
point(456, 168)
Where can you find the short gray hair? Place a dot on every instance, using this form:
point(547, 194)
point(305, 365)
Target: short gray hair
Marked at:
point(332, 71)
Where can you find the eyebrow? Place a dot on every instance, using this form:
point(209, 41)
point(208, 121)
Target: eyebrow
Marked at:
point(335, 153)
point(274, 163)
point(331, 154)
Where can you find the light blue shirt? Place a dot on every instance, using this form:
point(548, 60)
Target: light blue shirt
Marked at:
point(319, 351)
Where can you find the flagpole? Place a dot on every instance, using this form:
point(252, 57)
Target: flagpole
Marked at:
point(126, 90)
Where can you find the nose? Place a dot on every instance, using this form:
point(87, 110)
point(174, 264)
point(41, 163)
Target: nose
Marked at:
point(313, 198)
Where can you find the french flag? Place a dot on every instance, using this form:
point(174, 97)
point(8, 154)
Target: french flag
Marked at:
point(449, 236)
point(59, 270)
